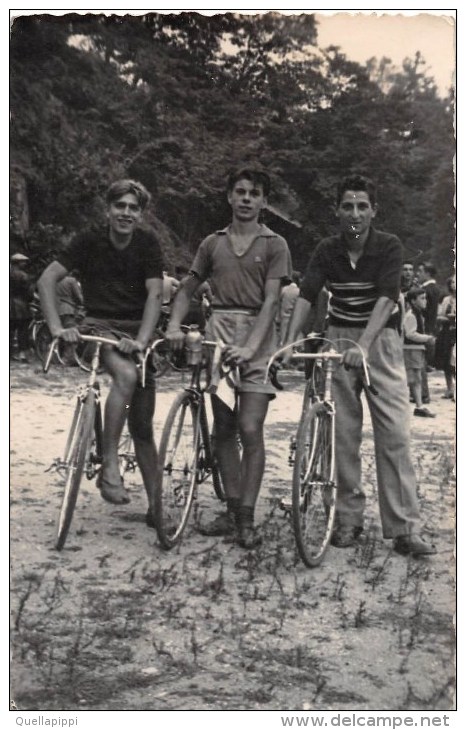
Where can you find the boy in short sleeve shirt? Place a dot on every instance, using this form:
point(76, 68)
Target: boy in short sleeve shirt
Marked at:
point(245, 264)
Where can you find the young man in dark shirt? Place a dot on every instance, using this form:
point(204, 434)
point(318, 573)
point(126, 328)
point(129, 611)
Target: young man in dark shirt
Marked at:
point(361, 268)
point(245, 264)
point(121, 271)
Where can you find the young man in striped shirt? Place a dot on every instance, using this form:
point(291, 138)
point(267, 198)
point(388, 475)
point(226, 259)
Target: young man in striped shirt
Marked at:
point(361, 267)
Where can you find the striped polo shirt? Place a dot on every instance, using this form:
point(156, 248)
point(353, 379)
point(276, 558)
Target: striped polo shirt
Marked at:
point(355, 289)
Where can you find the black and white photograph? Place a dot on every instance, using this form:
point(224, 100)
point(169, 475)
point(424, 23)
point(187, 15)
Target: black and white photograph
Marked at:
point(232, 365)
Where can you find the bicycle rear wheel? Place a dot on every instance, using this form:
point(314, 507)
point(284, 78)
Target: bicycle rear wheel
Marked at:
point(176, 477)
point(314, 491)
point(78, 446)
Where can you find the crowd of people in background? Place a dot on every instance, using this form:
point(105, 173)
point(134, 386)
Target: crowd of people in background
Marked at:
point(427, 319)
point(429, 332)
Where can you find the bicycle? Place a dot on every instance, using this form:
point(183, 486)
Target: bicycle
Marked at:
point(186, 457)
point(83, 450)
point(314, 482)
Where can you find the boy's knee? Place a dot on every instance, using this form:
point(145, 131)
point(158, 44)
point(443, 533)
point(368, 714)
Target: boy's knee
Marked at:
point(251, 432)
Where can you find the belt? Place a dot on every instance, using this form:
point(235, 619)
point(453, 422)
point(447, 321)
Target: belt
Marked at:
point(235, 310)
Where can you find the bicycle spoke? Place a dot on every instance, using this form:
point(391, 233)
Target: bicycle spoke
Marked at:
point(314, 488)
point(177, 473)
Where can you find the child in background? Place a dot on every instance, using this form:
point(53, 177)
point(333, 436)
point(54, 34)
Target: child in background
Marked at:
point(414, 346)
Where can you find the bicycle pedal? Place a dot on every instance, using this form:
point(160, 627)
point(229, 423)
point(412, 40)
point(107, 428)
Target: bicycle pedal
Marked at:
point(56, 465)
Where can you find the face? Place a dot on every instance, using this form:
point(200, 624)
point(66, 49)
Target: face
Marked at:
point(408, 271)
point(247, 200)
point(421, 274)
point(355, 213)
point(124, 214)
point(421, 301)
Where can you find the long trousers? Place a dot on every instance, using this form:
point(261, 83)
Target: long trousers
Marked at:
point(396, 481)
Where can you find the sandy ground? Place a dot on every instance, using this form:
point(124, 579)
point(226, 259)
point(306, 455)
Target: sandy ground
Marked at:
point(115, 623)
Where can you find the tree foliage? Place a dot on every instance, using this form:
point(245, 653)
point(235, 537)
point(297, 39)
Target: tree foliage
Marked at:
point(175, 100)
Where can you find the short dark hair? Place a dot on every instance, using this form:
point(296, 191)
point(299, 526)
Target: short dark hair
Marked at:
point(357, 182)
point(125, 186)
point(413, 293)
point(428, 267)
point(256, 175)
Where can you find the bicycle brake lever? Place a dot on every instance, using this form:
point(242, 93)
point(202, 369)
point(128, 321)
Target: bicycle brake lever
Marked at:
point(273, 370)
point(51, 351)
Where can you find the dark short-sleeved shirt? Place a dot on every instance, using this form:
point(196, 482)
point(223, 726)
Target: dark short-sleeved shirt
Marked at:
point(354, 291)
point(114, 281)
point(239, 280)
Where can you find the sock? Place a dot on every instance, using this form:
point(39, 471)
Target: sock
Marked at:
point(246, 515)
point(233, 506)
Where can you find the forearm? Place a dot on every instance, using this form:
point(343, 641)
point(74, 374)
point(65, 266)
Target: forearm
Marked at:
point(150, 317)
point(182, 301)
point(377, 321)
point(300, 314)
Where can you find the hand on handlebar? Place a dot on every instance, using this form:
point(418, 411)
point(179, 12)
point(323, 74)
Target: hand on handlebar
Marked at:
point(354, 357)
point(233, 355)
point(128, 346)
point(67, 334)
point(175, 338)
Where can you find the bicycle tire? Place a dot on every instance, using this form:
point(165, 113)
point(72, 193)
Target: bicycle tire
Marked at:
point(176, 477)
point(314, 490)
point(80, 441)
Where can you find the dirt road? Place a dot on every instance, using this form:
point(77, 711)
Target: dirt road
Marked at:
point(115, 623)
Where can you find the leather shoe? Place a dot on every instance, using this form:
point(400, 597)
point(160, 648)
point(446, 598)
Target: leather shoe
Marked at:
point(345, 535)
point(412, 545)
point(248, 537)
point(223, 524)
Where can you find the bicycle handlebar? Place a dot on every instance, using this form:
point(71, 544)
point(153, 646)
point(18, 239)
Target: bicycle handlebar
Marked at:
point(273, 367)
point(106, 341)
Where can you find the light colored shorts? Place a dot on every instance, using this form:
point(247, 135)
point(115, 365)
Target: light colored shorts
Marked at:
point(233, 326)
point(414, 364)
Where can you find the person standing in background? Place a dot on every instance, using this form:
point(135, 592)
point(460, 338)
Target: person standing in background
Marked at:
point(288, 296)
point(425, 274)
point(21, 291)
point(415, 340)
point(445, 350)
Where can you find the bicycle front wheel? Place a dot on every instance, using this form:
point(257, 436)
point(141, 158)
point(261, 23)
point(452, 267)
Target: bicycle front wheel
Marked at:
point(78, 446)
point(176, 476)
point(314, 492)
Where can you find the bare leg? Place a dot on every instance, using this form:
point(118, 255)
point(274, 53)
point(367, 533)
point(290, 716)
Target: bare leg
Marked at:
point(417, 394)
point(252, 412)
point(124, 376)
point(140, 423)
point(226, 447)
